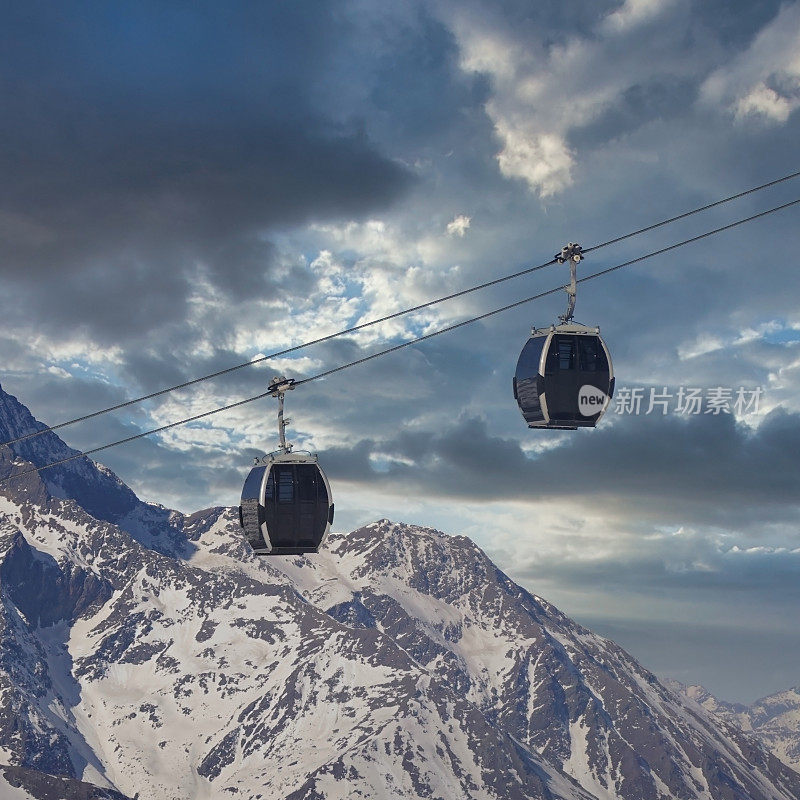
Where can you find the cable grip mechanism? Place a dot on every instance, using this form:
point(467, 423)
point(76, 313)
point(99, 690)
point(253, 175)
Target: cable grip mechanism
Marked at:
point(573, 253)
point(278, 387)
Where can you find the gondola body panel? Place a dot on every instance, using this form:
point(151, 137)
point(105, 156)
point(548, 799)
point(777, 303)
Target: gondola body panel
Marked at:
point(528, 384)
point(286, 507)
point(555, 369)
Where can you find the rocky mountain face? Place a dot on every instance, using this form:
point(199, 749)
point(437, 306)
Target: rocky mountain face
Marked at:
point(774, 720)
point(143, 652)
point(18, 783)
point(96, 489)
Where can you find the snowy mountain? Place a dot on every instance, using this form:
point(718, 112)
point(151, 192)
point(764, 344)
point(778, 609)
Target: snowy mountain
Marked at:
point(774, 720)
point(146, 652)
point(96, 489)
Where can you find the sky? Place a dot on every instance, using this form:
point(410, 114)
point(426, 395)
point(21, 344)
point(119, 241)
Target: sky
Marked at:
point(188, 186)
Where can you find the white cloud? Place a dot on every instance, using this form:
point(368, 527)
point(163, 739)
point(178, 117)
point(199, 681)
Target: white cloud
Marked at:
point(700, 346)
point(458, 227)
point(491, 52)
point(391, 267)
point(541, 92)
point(69, 349)
point(763, 82)
point(765, 102)
point(373, 236)
point(185, 438)
point(330, 274)
point(543, 160)
point(529, 122)
point(633, 13)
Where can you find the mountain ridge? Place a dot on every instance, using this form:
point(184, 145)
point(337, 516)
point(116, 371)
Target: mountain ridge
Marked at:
point(400, 662)
point(96, 488)
point(773, 719)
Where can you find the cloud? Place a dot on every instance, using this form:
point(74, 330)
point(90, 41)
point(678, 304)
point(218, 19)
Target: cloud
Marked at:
point(764, 81)
point(633, 13)
point(459, 226)
point(58, 372)
point(122, 208)
point(547, 86)
point(764, 101)
point(543, 160)
point(693, 471)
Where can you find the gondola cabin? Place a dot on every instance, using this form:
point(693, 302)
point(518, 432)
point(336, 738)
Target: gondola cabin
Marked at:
point(564, 378)
point(287, 508)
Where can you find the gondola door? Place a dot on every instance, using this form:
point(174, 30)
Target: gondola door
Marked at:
point(561, 379)
point(593, 370)
point(284, 508)
point(310, 523)
point(298, 512)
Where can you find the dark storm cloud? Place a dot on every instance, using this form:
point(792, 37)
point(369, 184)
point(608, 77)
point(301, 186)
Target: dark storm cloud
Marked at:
point(144, 145)
point(550, 19)
point(702, 470)
point(417, 90)
point(690, 563)
point(667, 96)
point(735, 28)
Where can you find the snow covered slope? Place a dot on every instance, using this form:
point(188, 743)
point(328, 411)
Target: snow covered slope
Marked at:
point(94, 487)
point(570, 695)
point(774, 720)
point(400, 663)
point(148, 674)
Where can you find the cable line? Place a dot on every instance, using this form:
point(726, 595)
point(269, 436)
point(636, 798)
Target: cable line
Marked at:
point(545, 294)
point(137, 436)
point(395, 315)
point(279, 353)
point(693, 211)
point(419, 339)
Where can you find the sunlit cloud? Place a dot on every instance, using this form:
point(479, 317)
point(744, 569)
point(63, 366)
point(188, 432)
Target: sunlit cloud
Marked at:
point(426, 148)
point(459, 225)
point(763, 82)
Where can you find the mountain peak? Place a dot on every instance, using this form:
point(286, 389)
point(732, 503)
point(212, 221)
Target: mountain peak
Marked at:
point(774, 719)
point(94, 487)
point(398, 662)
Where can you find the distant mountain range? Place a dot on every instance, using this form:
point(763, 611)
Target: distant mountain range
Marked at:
point(774, 720)
point(144, 653)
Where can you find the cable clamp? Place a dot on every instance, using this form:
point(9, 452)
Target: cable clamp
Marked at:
point(280, 385)
point(570, 252)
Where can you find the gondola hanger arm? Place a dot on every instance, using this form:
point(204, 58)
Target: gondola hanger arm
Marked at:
point(278, 387)
point(573, 253)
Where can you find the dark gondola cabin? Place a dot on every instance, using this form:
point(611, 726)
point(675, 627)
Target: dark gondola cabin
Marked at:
point(286, 505)
point(564, 377)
